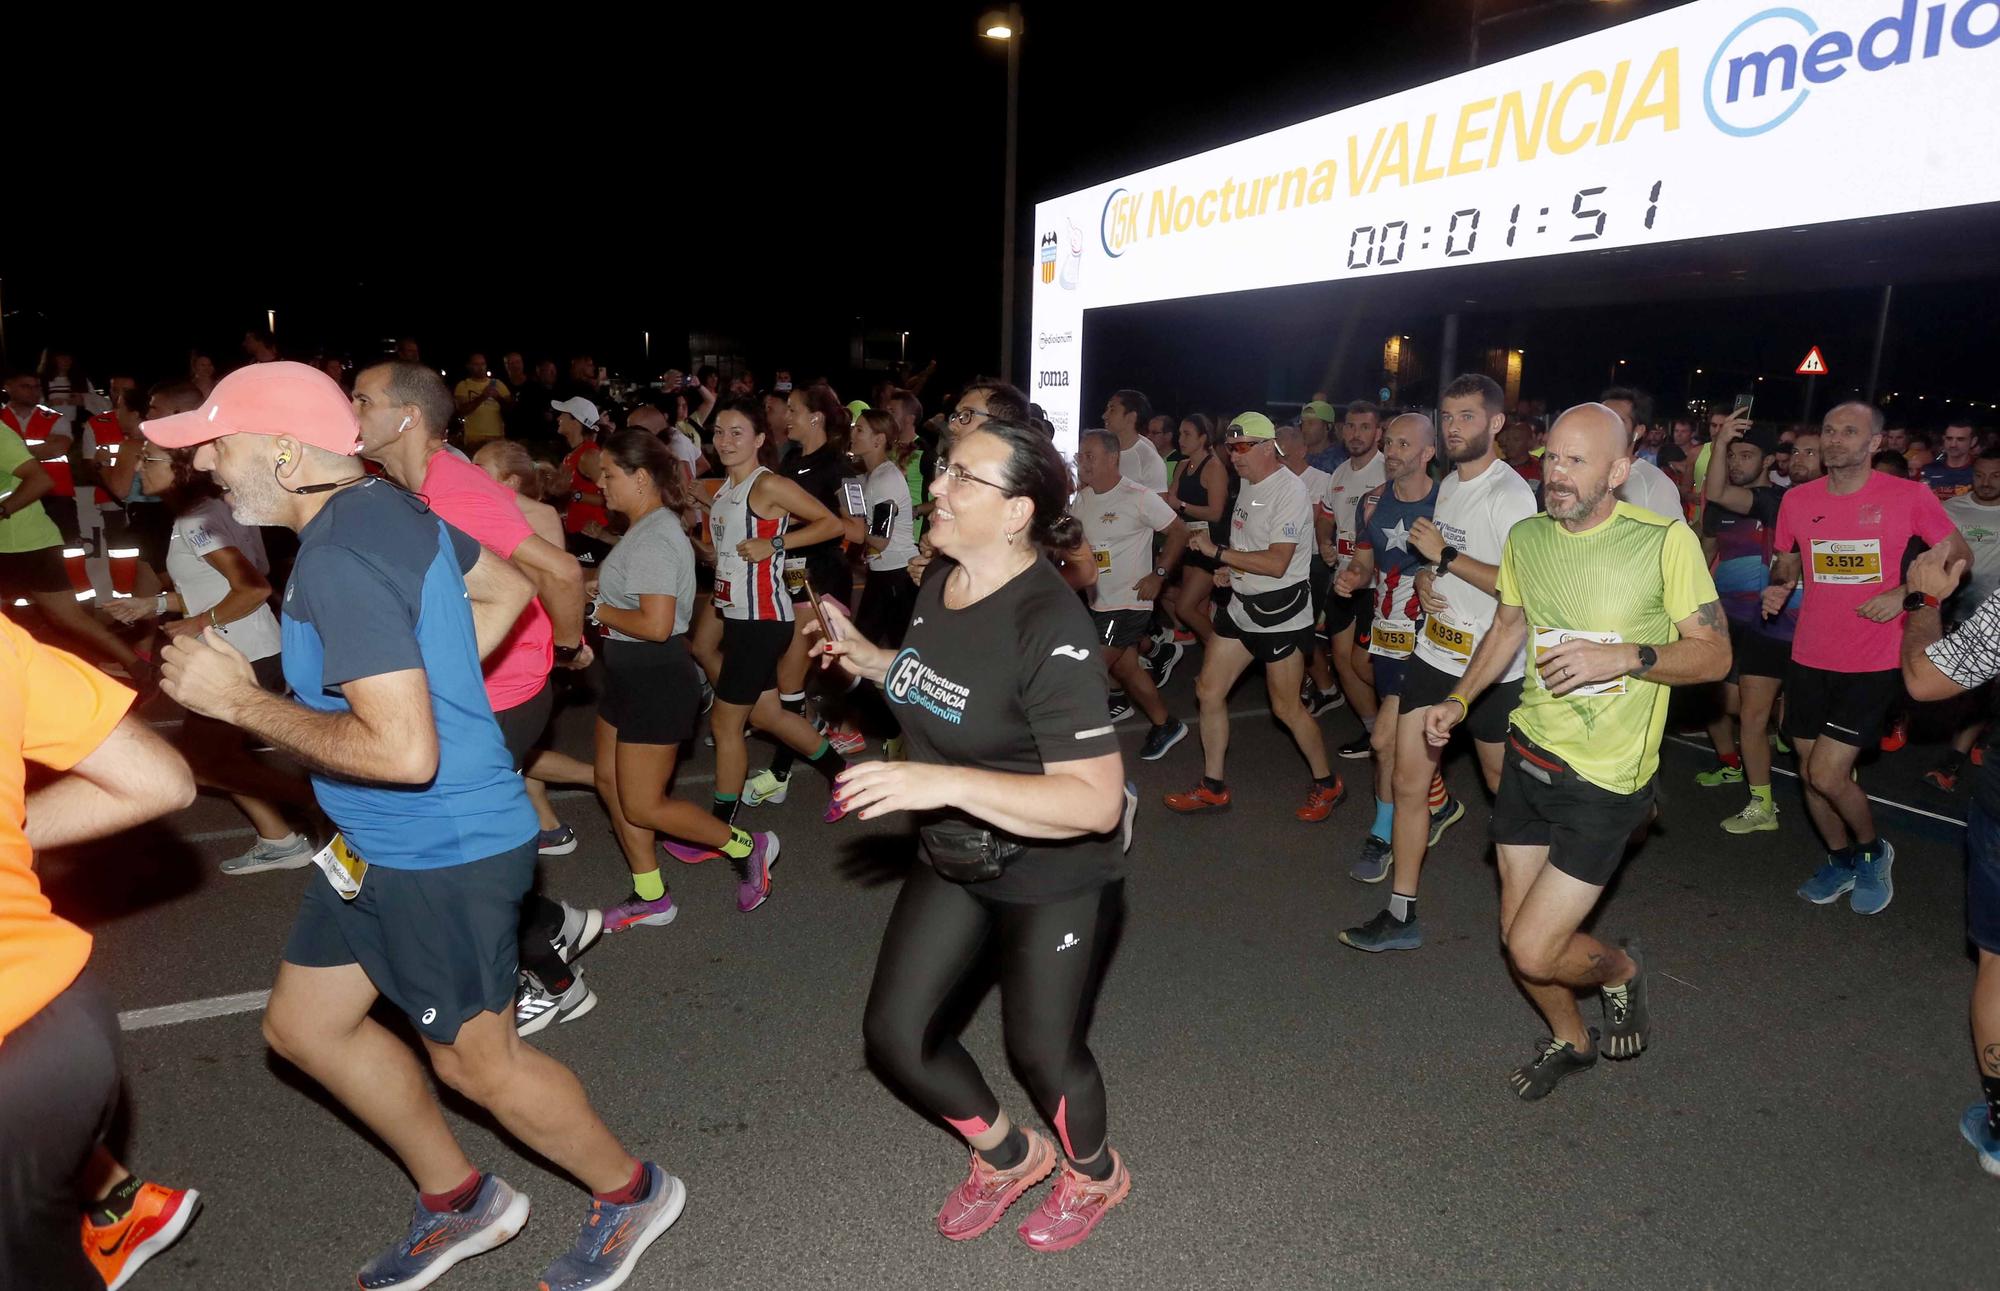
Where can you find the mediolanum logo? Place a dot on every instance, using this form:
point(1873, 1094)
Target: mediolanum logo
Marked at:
point(1045, 339)
point(1766, 69)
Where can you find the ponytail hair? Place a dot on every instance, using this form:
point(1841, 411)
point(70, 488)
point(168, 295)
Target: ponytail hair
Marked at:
point(641, 450)
point(820, 398)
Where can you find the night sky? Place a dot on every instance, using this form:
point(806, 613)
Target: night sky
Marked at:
point(753, 173)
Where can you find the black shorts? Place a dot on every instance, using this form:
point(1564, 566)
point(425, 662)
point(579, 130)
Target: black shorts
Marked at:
point(1982, 880)
point(63, 512)
point(1355, 610)
point(1847, 706)
point(1266, 647)
point(1389, 676)
point(441, 945)
point(28, 573)
point(1426, 684)
point(652, 691)
point(1319, 576)
point(589, 552)
point(751, 649)
point(1121, 629)
point(149, 526)
point(1756, 654)
point(523, 725)
point(1542, 803)
point(886, 604)
point(58, 1093)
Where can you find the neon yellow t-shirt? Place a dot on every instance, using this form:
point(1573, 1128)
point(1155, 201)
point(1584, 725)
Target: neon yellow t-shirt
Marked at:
point(30, 528)
point(484, 422)
point(1630, 579)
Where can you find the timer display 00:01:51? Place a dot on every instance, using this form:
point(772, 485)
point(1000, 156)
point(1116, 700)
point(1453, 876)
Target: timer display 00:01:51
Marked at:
point(1383, 246)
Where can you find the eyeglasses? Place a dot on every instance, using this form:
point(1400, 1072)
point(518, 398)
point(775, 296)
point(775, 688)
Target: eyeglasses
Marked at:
point(964, 416)
point(1238, 447)
point(155, 459)
point(959, 475)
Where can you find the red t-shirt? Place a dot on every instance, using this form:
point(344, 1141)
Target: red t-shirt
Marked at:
point(1851, 548)
point(469, 500)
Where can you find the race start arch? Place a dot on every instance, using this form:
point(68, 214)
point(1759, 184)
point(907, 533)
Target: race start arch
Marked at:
point(1718, 118)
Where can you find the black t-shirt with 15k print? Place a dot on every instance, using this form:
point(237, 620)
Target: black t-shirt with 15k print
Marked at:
point(1013, 683)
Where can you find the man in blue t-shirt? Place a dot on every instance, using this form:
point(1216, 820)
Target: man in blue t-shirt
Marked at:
point(386, 618)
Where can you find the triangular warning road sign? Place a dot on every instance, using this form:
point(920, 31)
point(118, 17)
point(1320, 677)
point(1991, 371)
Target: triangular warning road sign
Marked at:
point(1813, 364)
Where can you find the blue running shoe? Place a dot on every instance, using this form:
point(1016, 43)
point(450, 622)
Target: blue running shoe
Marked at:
point(560, 841)
point(614, 1237)
point(1830, 882)
point(1376, 858)
point(1444, 818)
point(1873, 889)
point(438, 1240)
point(1384, 932)
point(1973, 1126)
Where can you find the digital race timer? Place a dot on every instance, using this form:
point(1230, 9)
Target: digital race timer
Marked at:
point(1589, 213)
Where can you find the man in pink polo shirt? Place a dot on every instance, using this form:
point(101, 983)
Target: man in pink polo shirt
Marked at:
point(1841, 537)
point(405, 409)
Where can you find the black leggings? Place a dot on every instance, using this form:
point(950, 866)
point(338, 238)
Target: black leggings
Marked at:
point(1051, 960)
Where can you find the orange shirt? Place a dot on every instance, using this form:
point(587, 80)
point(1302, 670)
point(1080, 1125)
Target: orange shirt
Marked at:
point(54, 709)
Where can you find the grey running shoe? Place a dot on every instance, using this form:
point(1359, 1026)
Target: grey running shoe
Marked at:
point(267, 855)
point(1557, 1060)
point(1384, 932)
point(1376, 859)
point(1626, 1017)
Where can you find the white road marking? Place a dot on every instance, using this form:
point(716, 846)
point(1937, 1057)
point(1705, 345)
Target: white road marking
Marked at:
point(219, 1006)
point(1913, 809)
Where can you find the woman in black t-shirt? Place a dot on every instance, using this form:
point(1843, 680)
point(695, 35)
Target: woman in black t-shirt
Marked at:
point(1017, 783)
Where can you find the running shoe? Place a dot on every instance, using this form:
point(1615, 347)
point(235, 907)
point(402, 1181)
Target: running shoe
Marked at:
point(1162, 662)
point(1626, 1017)
point(1121, 706)
point(560, 841)
point(1384, 932)
point(1974, 1127)
point(753, 872)
point(1074, 1206)
point(536, 1007)
point(156, 1221)
point(1829, 882)
point(836, 807)
point(637, 912)
point(688, 853)
point(614, 1237)
point(1321, 800)
point(1944, 776)
point(1557, 1061)
point(1779, 744)
point(580, 931)
point(1319, 701)
point(1161, 738)
point(977, 1204)
point(1199, 798)
point(1898, 736)
point(765, 787)
point(1873, 888)
point(1719, 774)
point(847, 741)
point(440, 1239)
point(1377, 857)
point(1756, 817)
point(268, 854)
point(707, 700)
point(1444, 818)
point(1359, 747)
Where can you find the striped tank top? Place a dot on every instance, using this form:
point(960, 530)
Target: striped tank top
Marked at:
point(743, 589)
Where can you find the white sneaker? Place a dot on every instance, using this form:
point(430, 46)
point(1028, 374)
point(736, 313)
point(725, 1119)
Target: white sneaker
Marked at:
point(535, 1008)
point(291, 853)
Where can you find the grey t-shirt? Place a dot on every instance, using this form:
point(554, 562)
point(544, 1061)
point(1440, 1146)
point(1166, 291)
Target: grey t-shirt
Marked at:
point(654, 558)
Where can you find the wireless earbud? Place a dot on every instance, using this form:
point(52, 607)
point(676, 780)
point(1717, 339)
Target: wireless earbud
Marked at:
point(405, 426)
point(284, 458)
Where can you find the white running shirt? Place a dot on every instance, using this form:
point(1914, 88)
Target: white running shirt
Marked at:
point(1342, 500)
point(1119, 525)
point(1475, 516)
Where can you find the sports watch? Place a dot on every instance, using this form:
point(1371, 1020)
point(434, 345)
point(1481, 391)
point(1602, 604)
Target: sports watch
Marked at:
point(1445, 557)
point(1919, 601)
point(777, 544)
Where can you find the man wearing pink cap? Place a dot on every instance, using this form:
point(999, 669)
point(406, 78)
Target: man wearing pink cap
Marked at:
point(386, 618)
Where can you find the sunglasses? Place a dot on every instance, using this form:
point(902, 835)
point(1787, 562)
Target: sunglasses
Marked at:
point(1241, 446)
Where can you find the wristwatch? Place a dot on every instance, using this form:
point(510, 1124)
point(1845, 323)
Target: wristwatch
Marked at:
point(1159, 571)
point(567, 654)
point(1919, 601)
point(778, 544)
point(1445, 557)
point(1647, 658)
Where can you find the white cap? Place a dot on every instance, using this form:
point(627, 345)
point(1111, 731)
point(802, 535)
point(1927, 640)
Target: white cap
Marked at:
point(580, 408)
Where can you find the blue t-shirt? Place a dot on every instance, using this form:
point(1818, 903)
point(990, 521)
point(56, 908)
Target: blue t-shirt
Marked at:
point(1947, 481)
point(1743, 563)
point(379, 587)
point(1384, 529)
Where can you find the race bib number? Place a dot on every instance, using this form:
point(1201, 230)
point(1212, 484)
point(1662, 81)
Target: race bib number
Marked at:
point(1344, 548)
point(1453, 640)
point(721, 597)
point(795, 576)
point(1392, 638)
point(1197, 526)
point(1103, 557)
point(343, 867)
point(1548, 638)
point(1859, 561)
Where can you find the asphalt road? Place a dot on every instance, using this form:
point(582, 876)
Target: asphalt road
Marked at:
point(1294, 1113)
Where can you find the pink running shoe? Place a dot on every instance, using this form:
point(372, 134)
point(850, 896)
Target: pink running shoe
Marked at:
point(1073, 1207)
point(977, 1204)
point(835, 808)
point(753, 872)
point(635, 911)
point(687, 853)
point(847, 741)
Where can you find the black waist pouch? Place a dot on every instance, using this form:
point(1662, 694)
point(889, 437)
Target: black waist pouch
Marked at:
point(967, 853)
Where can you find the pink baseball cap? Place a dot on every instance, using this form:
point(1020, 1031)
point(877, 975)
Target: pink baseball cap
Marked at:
point(267, 399)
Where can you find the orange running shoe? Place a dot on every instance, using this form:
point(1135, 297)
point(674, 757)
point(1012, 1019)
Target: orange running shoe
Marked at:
point(1073, 1207)
point(156, 1221)
point(1320, 801)
point(977, 1204)
point(1200, 798)
point(1898, 735)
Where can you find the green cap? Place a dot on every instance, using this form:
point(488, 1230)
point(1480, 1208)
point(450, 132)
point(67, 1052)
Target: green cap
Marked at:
point(1252, 425)
point(855, 409)
point(1321, 409)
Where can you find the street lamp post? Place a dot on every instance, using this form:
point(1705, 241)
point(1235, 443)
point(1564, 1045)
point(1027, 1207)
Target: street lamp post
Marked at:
point(1005, 25)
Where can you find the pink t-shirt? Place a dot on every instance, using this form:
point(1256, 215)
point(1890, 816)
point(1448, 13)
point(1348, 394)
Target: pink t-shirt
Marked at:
point(1851, 547)
point(485, 511)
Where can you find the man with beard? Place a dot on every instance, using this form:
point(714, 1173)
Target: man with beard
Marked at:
point(1336, 526)
point(1839, 537)
point(1805, 466)
point(386, 617)
point(1477, 504)
point(1618, 606)
point(1324, 450)
point(1742, 512)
